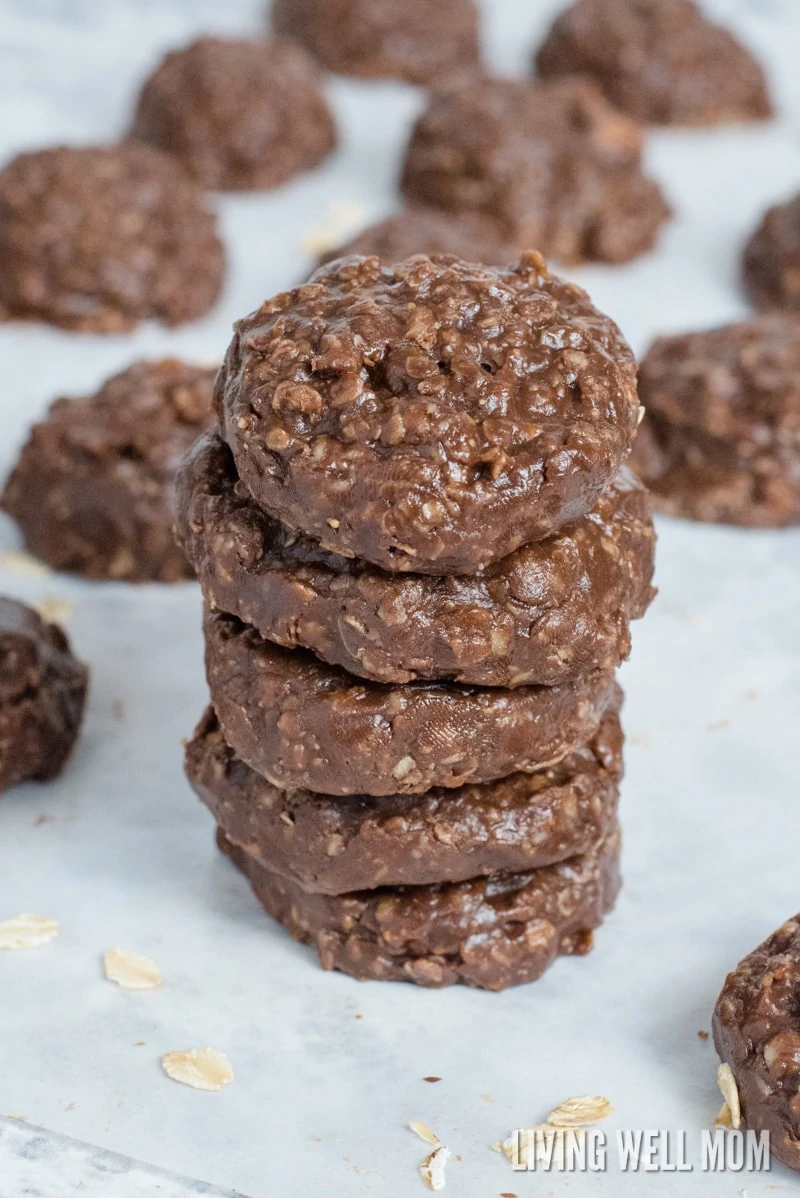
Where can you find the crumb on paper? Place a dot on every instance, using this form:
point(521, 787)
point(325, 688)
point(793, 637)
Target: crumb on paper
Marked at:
point(19, 562)
point(718, 725)
point(641, 740)
point(28, 931)
point(71, 1106)
point(131, 971)
point(703, 1035)
point(432, 1078)
point(580, 1111)
point(730, 1092)
point(41, 820)
point(200, 1068)
point(433, 1167)
point(342, 219)
point(55, 610)
point(486, 1098)
point(424, 1132)
point(117, 709)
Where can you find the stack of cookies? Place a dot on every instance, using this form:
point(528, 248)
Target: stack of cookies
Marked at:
point(420, 553)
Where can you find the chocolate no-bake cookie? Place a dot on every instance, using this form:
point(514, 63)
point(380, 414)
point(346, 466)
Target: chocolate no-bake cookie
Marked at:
point(552, 162)
point(772, 259)
point(416, 40)
point(42, 696)
point(358, 842)
point(757, 1031)
point(661, 61)
point(304, 724)
point(468, 235)
point(488, 932)
point(93, 490)
point(721, 438)
point(238, 114)
point(98, 238)
point(696, 477)
point(432, 416)
point(546, 614)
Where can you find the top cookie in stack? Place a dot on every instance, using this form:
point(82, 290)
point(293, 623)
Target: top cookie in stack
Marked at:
point(420, 554)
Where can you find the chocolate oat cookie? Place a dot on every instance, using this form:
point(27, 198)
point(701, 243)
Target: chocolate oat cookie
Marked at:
point(431, 416)
point(662, 61)
point(757, 1031)
point(488, 932)
point(42, 696)
point(721, 439)
point(698, 478)
point(93, 490)
point(304, 724)
point(238, 114)
point(98, 238)
point(553, 163)
point(469, 235)
point(772, 259)
point(417, 40)
point(547, 614)
point(335, 845)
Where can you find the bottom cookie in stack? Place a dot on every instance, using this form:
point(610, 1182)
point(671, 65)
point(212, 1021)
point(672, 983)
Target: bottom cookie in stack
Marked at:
point(484, 885)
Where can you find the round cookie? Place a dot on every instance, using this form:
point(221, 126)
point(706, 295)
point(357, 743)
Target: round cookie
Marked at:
point(468, 235)
point(97, 238)
point(417, 40)
point(739, 383)
point(488, 932)
point(771, 263)
point(42, 696)
point(390, 412)
point(237, 114)
point(756, 1028)
point(696, 477)
point(335, 845)
point(93, 489)
point(303, 724)
point(721, 439)
point(553, 163)
point(661, 61)
point(546, 614)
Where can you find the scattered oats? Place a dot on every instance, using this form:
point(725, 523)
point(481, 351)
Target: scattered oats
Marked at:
point(200, 1068)
point(730, 1092)
point(724, 1119)
point(342, 219)
point(580, 1112)
point(528, 1146)
point(28, 931)
point(55, 610)
point(22, 563)
point(432, 1168)
point(131, 971)
point(424, 1132)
